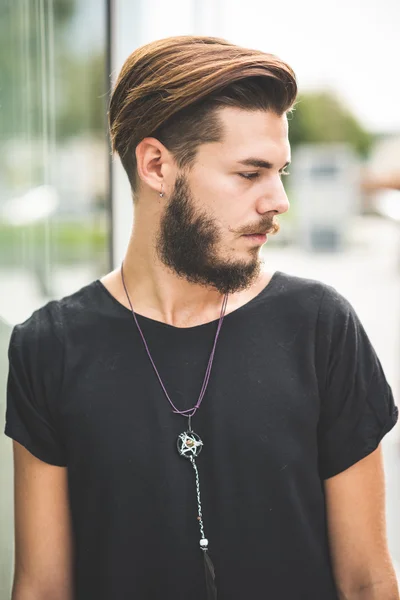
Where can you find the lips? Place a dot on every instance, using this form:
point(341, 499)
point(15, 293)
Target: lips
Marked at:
point(258, 238)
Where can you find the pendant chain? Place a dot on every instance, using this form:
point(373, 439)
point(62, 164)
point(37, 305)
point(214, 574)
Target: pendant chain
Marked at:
point(200, 517)
point(190, 411)
point(189, 443)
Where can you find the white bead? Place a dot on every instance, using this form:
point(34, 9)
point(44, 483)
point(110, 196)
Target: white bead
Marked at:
point(204, 543)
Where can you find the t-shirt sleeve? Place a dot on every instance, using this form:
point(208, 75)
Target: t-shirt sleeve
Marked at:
point(33, 388)
point(357, 405)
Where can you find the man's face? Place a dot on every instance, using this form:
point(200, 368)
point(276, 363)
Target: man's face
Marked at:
point(205, 230)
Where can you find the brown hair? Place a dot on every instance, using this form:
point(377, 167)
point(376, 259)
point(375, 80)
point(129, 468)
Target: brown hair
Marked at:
point(171, 89)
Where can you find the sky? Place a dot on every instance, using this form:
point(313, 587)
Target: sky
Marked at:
point(349, 46)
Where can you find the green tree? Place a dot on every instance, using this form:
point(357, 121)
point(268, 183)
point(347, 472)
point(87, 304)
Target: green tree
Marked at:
point(321, 117)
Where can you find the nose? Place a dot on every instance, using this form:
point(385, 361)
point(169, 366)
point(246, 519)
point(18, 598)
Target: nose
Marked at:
point(274, 199)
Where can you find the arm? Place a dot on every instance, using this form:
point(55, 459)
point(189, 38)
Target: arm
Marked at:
point(355, 502)
point(43, 539)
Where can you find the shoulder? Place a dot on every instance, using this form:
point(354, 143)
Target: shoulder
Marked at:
point(308, 294)
point(45, 329)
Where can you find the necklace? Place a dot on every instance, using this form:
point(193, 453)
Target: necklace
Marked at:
point(189, 444)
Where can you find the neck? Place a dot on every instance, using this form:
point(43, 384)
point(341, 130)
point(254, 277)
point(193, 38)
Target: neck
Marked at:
point(160, 294)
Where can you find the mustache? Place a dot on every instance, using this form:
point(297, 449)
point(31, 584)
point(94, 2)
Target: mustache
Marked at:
point(265, 226)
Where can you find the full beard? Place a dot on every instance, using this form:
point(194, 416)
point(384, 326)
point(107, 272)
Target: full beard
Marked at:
point(187, 244)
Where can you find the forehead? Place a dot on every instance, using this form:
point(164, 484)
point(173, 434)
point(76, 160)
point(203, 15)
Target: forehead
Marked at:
point(239, 125)
point(247, 132)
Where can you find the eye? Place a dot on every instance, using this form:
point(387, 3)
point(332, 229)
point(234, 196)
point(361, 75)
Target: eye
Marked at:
point(284, 173)
point(249, 175)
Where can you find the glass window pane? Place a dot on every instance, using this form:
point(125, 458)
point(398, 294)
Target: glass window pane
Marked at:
point(54, 188)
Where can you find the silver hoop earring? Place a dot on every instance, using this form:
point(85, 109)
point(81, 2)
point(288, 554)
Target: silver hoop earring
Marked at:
point(162, 192)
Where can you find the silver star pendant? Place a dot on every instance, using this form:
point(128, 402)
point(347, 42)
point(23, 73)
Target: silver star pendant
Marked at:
point(189, 444)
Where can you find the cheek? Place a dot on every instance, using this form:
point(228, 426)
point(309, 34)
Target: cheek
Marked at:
point(213, 184)
point(223, 198)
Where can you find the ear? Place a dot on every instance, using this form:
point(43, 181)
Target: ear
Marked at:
point(155, 164)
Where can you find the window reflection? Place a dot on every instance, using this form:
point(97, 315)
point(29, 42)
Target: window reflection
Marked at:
point(53, 175)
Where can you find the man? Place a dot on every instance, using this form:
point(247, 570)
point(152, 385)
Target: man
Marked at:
point(190, 346)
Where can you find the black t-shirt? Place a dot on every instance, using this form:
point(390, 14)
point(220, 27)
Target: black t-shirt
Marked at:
point(296, 395)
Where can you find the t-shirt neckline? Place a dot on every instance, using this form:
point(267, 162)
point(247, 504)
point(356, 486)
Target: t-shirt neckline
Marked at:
point(124, 309)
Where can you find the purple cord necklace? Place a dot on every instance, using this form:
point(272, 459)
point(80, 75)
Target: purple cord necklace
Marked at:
point(189, 443)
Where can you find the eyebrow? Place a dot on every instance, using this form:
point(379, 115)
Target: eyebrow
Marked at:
point(260, 163)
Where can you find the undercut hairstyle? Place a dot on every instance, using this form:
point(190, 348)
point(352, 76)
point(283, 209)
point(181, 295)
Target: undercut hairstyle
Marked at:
point(171, 89)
